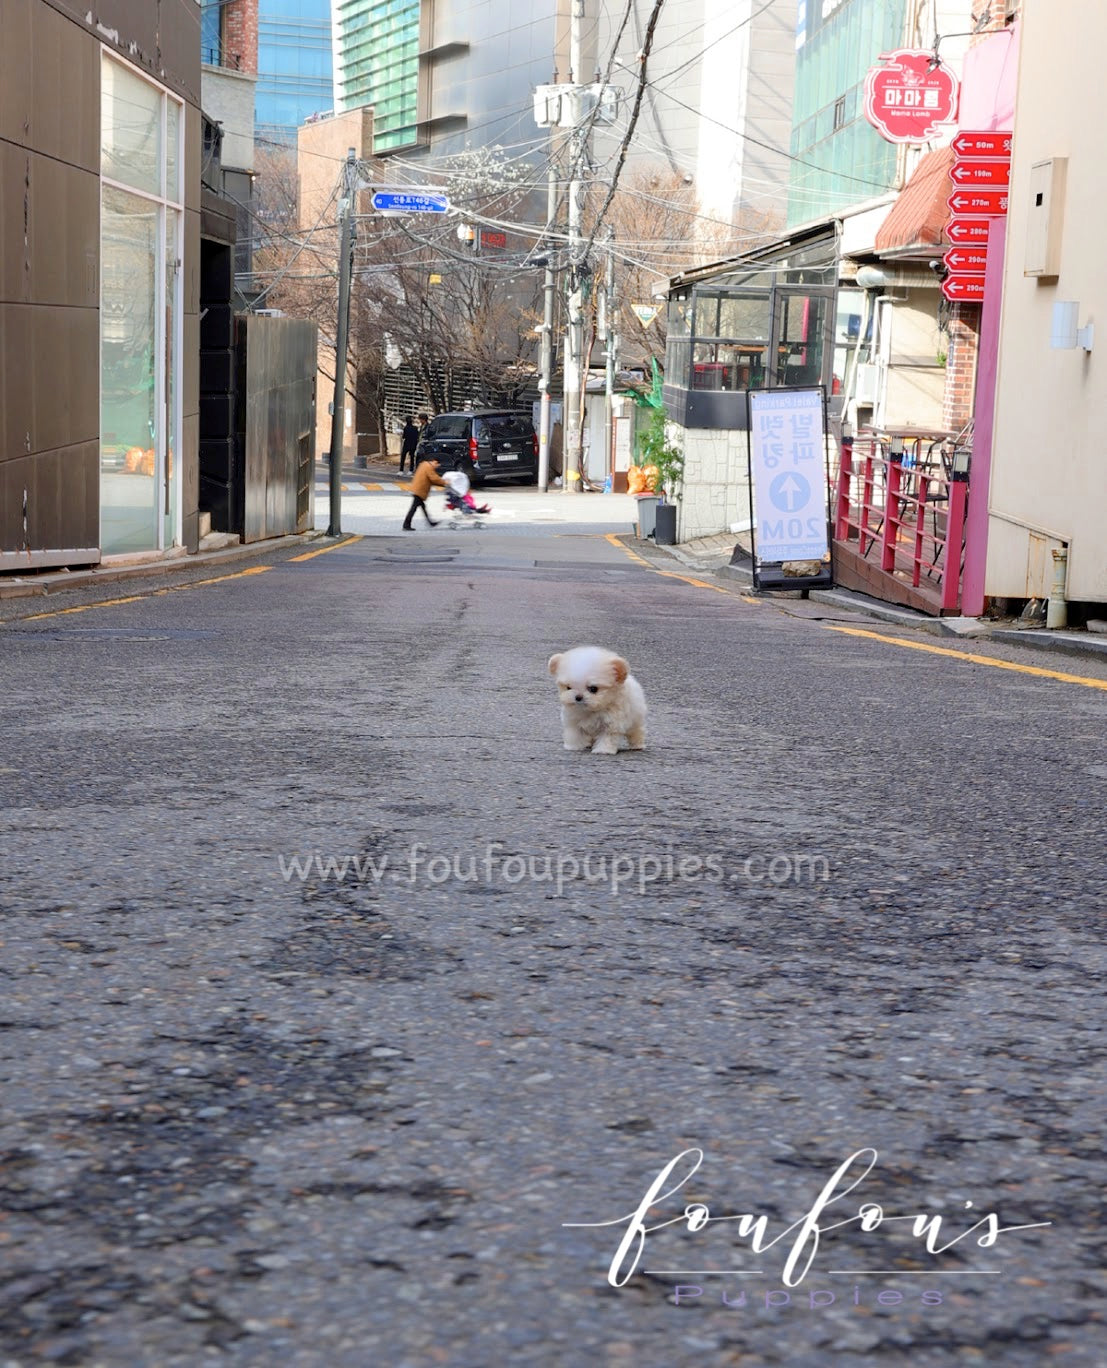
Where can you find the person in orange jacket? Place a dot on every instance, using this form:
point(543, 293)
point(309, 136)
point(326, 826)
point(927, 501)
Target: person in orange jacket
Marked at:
point(426, 476)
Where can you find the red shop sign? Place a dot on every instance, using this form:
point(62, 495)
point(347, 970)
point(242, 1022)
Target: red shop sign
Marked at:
point(987, 143)
point(967, 260)
point(990, 174)
point(969, 231)
point(909, 98)
point(966, 289)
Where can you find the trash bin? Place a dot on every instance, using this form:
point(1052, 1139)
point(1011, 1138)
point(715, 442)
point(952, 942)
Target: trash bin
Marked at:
point(647, 513)
point(664, 533)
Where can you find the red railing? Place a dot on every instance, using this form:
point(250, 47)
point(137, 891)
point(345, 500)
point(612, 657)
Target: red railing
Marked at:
point(903, 502)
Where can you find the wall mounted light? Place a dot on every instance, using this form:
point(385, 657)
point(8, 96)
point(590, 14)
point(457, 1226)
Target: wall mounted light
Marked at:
point(1066, 333)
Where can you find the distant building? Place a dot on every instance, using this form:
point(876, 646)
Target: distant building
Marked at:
point(294, 66)
point(839, 157)
point(376, 62)
point(229, 56)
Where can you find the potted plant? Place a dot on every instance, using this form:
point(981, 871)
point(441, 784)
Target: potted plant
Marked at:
point(656, 449)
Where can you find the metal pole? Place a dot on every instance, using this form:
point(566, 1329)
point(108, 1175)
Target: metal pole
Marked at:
point(574, 332)
point(609, 358)
point(549, 285)
point(338, 414)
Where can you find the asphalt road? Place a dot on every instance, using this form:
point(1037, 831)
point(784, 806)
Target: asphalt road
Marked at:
point(341, 1005)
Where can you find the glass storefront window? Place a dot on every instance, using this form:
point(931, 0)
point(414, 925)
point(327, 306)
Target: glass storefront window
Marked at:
point(680, 316)
point(759, 328)
point(130, 130)
point(744, 318)
point(140, 253)
point(128, 346)
point(801, 329)
point(172, 143)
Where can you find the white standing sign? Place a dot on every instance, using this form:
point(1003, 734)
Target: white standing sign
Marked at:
point(787, 459)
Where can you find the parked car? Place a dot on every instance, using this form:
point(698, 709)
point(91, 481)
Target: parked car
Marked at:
point(489, 444)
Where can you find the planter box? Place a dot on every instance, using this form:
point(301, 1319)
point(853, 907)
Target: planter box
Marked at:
point(647, 513)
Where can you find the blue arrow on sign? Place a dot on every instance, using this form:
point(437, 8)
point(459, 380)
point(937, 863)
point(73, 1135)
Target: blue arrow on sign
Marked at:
point(789, 491)
point(409, 202)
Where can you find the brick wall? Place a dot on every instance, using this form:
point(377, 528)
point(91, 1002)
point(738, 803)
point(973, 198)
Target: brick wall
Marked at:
point(964, 345)
point(998, 13)
point(240, 35)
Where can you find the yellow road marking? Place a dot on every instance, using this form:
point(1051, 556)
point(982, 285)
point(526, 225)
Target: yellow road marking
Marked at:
point(613, 538)
point(83, 608)
point(310, 555)
point(138, 598)
point(700, 584)
point(976, 659)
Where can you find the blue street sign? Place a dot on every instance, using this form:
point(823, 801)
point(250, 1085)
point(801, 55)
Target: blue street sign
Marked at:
point(410, 202)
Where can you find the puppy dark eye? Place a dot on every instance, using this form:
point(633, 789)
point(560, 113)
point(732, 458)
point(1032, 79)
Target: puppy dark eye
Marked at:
point(593, 688)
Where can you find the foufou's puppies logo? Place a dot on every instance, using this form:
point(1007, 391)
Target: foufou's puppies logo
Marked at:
point(800, 1239)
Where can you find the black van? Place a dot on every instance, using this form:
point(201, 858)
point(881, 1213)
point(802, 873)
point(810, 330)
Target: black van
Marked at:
point(487, 444)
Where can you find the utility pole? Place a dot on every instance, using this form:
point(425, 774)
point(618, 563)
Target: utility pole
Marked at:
point(611, 342)
point(574, 324)
point(546, 365)
point(341, 341)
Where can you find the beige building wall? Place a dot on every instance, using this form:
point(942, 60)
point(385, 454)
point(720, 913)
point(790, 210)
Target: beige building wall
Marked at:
point(1049, 460)
point(321, 147)
point(321, 150)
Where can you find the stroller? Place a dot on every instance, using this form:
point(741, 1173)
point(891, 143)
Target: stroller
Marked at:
point(460, 504)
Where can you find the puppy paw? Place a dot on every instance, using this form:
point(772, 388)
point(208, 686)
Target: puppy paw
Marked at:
point(605, 745)
point(636, 739)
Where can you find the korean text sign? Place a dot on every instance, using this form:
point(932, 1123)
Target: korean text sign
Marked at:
point(787, 459)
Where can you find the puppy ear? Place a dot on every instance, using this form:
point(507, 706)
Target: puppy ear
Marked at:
point(619, 670)
point(554, 661)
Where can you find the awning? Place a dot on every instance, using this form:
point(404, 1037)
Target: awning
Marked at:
point(917, 221)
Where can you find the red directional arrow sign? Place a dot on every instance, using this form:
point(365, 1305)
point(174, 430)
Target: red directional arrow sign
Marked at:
point(964, 288)
point(978, 201)
point(983, 144)
point(967, 260)
point(968, 232)
point(985, 173)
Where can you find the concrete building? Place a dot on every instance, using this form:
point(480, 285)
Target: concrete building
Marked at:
point(229, 48)
point(100, 146)
point(1047, 488)
point(716, 107)
point(447, 75)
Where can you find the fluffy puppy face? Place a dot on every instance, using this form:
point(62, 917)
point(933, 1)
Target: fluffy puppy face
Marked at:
point(589, 679)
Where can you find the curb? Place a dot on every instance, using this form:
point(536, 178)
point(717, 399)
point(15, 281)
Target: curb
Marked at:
point(962, 628)
point(60, 581)
point(1066, 643)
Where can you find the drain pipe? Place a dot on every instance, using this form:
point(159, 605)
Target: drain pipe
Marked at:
point(1056, 609)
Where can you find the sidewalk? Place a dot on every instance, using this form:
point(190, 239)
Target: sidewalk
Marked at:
point(713, 556)
point(215, 550)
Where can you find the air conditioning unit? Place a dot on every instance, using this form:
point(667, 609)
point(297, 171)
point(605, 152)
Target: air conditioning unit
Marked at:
point(868, 383)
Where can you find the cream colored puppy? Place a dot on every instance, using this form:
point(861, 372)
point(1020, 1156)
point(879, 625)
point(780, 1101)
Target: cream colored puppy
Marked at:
point(603, 708)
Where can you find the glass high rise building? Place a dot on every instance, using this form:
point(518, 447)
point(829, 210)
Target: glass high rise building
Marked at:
point(841, 159)
point(376, 56)
point(294, 65)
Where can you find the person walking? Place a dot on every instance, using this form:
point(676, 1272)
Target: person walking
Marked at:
point(425, 477)
point(408, 442)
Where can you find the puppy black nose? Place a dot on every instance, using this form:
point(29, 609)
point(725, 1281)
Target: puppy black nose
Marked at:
point(579, 698)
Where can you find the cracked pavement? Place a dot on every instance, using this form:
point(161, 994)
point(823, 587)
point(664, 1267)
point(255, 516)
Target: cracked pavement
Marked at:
point(329, 1022)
